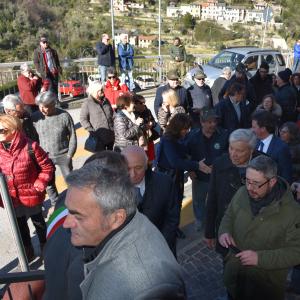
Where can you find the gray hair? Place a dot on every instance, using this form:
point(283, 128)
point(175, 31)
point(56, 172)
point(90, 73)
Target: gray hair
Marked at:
point(134, 149)
point(111, 188)
point(10, 101)
point(46, 98)
point(226, 70)
point(95, 87)
point(244, 135)
point(265, 165)
point(24, 67)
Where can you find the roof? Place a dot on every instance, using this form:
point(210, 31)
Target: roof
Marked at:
point(249, 49)
point(147, 37)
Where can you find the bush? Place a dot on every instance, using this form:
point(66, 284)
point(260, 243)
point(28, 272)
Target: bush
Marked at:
point(8, 88)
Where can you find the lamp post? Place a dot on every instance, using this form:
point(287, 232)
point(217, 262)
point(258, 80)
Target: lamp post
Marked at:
point(112, 21)
point(159, 41)
point(266, 23)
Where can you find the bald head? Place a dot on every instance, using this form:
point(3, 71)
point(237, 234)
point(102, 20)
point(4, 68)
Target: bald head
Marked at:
point(137, 163)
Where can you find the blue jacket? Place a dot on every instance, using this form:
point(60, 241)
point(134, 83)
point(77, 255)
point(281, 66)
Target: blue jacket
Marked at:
point(125, 53)
point(172, 155)
point(106, 55)
point(184, 100)
point(296, 51)
point(228, 118)
point(198, 148)
point(279, 152)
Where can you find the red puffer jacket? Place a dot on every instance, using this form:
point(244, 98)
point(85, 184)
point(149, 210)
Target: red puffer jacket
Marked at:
point(21, 172)
point(112, 92)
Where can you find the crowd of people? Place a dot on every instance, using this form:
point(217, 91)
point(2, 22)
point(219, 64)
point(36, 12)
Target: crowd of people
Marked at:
point(117, 223)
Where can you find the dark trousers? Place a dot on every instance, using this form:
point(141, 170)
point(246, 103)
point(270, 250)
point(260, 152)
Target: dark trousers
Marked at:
point(40, 227)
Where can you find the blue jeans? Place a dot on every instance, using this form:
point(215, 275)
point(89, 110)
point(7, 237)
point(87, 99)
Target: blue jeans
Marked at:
point(130, 83)
point(199, 193)
point(296, 65)
point(102, 72)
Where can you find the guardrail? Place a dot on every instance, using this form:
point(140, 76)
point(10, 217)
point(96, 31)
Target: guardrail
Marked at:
point(142, 65)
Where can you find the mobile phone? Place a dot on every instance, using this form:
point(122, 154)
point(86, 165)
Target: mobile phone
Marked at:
point(234, 249)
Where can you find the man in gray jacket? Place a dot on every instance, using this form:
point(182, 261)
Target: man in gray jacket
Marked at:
point(126, 257)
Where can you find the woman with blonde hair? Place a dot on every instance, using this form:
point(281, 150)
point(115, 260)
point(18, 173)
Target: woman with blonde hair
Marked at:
point(169, 108)
point(28, 170)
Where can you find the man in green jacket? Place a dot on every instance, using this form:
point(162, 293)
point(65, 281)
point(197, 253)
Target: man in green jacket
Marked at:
point(178, 57)
point(261, 227)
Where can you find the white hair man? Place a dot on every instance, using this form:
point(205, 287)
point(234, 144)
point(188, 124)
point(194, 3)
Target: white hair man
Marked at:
point(122, 248)
point(157, 204)
point(96, 116)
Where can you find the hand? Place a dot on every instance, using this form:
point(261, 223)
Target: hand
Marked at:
point(139, 121)
point(35, 77)
point(192, 175)
point(165, 107)
point(248, 258)
point(210, 243)
point(226, 239)
point(204, 167)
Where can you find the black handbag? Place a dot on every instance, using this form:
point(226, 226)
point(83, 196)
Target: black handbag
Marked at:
point(91, 143)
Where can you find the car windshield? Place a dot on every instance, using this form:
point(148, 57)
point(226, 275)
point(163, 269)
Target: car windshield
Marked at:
point(226, 59)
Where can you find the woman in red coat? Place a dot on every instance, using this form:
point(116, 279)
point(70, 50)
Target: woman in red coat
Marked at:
point(113, 89)
point(28, 170)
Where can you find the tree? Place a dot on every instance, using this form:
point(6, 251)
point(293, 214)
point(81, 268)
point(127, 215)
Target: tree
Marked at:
point(188, 21)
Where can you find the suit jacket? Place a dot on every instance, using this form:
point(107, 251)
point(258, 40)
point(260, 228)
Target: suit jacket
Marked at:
point(228, 118)
point(159, 205)
point(279, 151)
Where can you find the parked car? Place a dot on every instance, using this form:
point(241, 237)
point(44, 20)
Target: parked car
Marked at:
point(72, 88)
point(252, 57)
point(145, 82)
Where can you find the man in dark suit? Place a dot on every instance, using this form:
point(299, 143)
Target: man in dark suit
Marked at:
point(155, 194)
point(234, 111)
point(264, 125)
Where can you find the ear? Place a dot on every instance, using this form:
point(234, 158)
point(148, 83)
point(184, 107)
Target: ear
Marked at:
point(117, 218)
point(273, 181)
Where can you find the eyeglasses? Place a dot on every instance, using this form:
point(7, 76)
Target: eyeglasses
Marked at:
point(174, 79)
point(3, 130)
point(110, 77)
point(256, 185)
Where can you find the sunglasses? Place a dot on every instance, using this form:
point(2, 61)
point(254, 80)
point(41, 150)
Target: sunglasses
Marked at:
point(202, 79)
point(110, 77)
point(3, 130)
point(44, 42)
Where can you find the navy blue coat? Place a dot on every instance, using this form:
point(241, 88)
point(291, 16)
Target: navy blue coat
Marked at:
point(159, 205)
point(197, 148)
point(184, 100)
point(106, 55)
point(279, 152)
point(228, 118)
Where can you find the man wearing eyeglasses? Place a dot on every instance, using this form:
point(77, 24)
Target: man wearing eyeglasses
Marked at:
point(106, 56)
point(47, 65)
point(261, 229)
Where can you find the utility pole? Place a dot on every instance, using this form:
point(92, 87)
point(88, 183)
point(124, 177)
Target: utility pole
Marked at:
point(112, 21)
point(266, 23)
point(159, 41)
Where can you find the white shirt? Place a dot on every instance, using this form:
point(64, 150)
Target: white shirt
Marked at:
point(141, 186)
point(266, 142)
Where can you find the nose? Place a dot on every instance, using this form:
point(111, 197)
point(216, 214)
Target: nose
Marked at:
point(69, 221)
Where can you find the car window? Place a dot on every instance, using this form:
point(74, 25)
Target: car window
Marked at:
point(66, 85)
point(269, 59)
point(280, 60)
point(149, 80)
point(226, 59)
point(77, 84)
point(251, 62)
point(139, 78)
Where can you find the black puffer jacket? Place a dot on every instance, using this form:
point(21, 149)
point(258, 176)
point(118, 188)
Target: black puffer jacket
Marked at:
point(126, 132)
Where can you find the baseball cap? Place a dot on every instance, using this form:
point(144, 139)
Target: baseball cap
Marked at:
point(207, 114)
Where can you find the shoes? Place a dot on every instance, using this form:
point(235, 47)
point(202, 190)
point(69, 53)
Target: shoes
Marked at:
point(180, 234)
point(29, 253)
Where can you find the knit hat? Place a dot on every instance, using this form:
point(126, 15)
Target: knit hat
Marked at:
point(285, 75)
point(173, 75)
point(200, 75)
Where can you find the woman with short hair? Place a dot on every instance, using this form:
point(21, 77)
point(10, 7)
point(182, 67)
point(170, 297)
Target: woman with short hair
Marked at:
point(28, 170)
point(169, 108)
point(126, 126)
point(269, 104)
point(228, 175)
